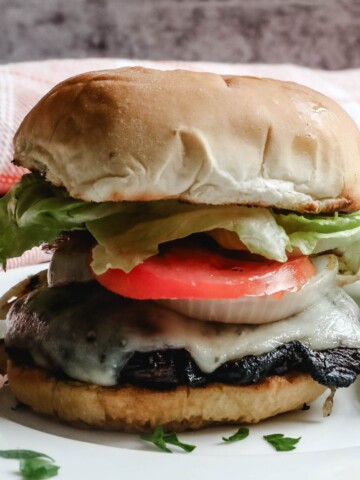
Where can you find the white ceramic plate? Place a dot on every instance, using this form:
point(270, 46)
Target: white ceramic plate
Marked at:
point(329, 447)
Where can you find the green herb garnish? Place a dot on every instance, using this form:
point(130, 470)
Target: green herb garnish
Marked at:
point(38, 468)
point(160, 439)
point(282, 443)
point(22, 454)
point(33, 465)
point(173, 440)
point(239, 435)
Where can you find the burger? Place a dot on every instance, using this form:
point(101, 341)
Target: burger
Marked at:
point(201, 228)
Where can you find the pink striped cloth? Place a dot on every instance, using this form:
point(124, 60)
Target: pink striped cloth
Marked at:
point(23, 84)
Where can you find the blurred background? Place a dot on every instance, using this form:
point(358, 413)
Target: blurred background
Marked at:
point(315, 33)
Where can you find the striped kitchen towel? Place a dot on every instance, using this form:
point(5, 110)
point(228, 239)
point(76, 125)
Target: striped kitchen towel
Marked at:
point(23, 84)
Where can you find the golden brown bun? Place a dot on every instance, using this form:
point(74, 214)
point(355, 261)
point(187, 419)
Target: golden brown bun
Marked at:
point(140, 134)
point(138, 409)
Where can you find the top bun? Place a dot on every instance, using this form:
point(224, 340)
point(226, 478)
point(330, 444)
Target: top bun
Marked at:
point(140, 134)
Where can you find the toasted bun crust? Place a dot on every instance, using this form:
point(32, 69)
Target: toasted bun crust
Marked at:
point(140, 134)
point(138, 409)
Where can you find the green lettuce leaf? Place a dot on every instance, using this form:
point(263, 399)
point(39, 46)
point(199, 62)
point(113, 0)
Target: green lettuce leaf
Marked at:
point(35, 212)
point(314, 234)
point(125, 240)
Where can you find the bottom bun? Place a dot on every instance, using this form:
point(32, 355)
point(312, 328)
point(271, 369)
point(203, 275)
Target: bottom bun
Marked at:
point(136, 409)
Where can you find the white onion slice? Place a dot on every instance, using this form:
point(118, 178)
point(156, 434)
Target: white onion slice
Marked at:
point(262, 309)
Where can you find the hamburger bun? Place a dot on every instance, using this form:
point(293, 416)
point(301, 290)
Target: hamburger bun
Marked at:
point(141, 134)
point(136, 409)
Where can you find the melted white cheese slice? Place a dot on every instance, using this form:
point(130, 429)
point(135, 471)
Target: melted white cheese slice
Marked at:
point(330, 323)
point(63, 339)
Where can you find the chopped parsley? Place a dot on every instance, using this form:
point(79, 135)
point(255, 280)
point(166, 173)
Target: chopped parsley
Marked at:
point(241, 434)
point(33, 465)
point(38, 468)
point(282, 443)
point(160, 439)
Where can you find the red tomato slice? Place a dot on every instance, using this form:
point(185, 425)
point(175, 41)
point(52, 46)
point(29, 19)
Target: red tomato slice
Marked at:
point(197, 273)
